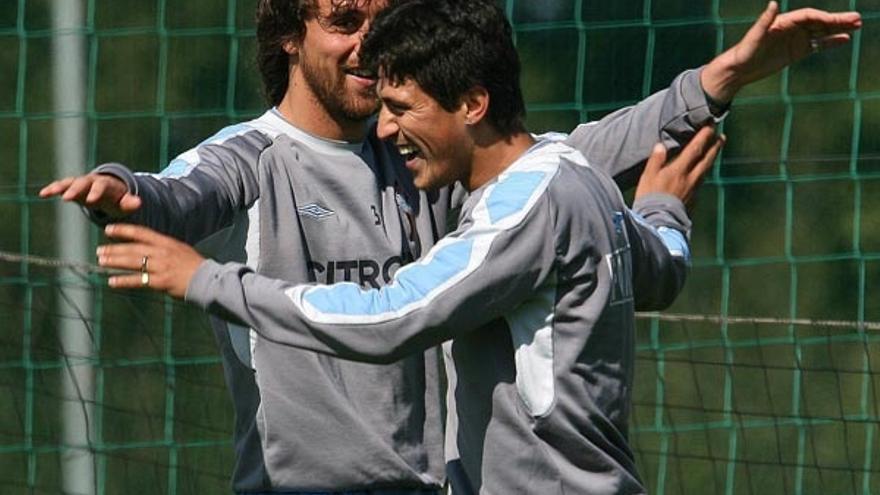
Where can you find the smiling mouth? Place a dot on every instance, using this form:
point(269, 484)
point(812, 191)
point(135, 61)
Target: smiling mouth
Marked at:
point(360, 72)
point(409, 152)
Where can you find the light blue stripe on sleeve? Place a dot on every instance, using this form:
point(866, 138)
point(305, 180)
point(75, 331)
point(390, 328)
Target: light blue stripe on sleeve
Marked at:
point(674, 242)
point(511, 194)
point(412, 285)
point(226, 132)
point(180, 167)
point(177, 168)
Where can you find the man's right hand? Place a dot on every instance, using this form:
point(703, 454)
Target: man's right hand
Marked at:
point(101, 192)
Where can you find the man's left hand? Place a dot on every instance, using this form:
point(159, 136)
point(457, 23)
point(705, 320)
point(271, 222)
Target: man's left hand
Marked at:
point(774, 42)
point(161, 263)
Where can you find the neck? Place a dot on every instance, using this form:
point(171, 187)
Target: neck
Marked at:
point(494, 153)
point(302, 108)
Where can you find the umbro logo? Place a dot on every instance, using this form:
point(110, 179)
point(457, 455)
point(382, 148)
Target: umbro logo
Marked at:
point(314, 210)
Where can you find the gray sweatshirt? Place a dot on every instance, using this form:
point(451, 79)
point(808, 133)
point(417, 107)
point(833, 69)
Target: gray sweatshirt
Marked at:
point(303, 209)
point(537, 287)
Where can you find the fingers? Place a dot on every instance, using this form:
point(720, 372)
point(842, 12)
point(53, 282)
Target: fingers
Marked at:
point(696, 149)
point(129, 203)
point(135, 233)
point(849, 20)
point(702, 167)
point(140, 242)
point(135, 281)
point(765, 20)
point(100, 191)
point(657, 159)
point(144, 259)
point(126, 256)
point(830, 22)
point(762, 25)
point(819, 23)
point(55, 188)
point(160, 262)
point(96, 190)
point(77, 189)
point(833, 40)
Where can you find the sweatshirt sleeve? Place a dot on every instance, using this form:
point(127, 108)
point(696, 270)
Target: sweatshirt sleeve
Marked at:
point(659, 229)
point(200, 191)
point(493, 262)
point(621, 142)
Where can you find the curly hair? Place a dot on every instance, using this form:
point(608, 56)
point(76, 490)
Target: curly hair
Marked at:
point(449, 47)
point(278, 22)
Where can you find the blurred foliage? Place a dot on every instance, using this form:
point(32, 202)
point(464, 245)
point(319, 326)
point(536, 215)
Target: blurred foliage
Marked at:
point(786, 227)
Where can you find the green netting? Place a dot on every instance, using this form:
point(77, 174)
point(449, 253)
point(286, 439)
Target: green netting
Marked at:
point(785, 229)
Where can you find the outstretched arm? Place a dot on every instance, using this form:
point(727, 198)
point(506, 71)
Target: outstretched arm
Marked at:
point(469, 278)
point(774, 42)
point(95, 191)
point(195, 196)
point(621, 142)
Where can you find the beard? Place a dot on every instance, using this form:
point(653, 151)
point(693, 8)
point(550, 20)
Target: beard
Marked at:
point(330, 90)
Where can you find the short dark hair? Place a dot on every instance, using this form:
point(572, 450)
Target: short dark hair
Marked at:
point(449, 47)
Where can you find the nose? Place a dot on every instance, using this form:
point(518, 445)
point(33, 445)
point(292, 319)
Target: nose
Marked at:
point(357, 38)
point(387, 128)
point(361, 34)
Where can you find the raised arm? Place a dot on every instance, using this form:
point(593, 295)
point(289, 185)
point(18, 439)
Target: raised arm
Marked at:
point(774, 42)
point(196, 195)
point(621, 142)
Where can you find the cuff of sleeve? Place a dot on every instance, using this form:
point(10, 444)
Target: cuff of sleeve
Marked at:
point(673, 211)
point(204, 280)
point(701, 107)
point(122, 173)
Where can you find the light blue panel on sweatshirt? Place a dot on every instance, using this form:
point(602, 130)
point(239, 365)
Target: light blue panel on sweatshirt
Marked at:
point(675, 242)
point(511, 194)
point(414, 284)
point(177, 168)
point(226, 133)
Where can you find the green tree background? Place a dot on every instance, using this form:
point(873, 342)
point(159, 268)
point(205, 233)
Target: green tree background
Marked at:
point(785, 228)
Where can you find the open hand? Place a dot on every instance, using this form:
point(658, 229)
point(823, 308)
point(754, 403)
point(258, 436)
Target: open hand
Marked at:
point(102, 192)
point(162, 263)
point(774, 42)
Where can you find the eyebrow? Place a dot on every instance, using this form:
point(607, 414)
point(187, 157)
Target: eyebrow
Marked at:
point(342, 7)
point(394, 103)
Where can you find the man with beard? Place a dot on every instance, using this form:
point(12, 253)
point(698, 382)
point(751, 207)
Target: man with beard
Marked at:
point(308, 193)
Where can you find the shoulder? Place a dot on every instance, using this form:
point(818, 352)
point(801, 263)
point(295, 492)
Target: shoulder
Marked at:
point(520, 190)
point(578, 192)
point(258, 132)
point(233, 145)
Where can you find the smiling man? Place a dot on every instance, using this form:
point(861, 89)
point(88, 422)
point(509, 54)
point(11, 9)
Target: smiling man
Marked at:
point(537, 285)
point(308, 193)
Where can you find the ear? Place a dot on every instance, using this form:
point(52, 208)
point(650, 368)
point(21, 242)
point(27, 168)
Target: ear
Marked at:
point(290, 46)
point(475, 104)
